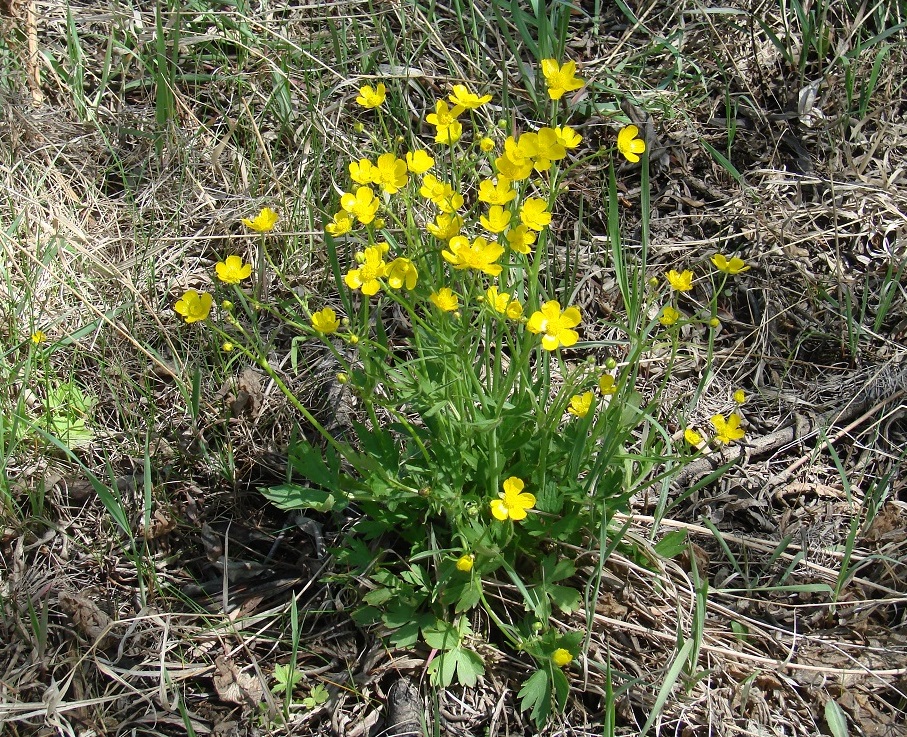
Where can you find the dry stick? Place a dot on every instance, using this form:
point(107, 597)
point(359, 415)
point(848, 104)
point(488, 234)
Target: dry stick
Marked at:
point(777, 439)
point(33, 70)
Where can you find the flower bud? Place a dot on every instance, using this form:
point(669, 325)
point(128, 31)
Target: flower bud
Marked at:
point(227, 347)
point(354, 339)
point(537, 626)
point(610, 363)
point(380, 223)
point(342, 378)
point(359, 127)
point(227, 304)
point(714, 323)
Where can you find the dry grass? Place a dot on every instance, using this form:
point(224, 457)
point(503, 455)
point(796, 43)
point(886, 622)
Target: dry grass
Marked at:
point(110, 214)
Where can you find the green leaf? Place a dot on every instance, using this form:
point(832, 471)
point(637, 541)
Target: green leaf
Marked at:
point(441, 636)
point(317, 696)
point(309, 463)
point(469, 666)
point(406, 635)
point(471, 596)
point(378, 596)
point(286, 678)
point(836, 719)
point(536, 695)
point(294, 496)
point(672, 544)
point(564, 597)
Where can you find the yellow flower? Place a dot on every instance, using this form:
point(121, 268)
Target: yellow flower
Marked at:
point(520, 238)
point(445, 299)
point(193, 306)
point(464, 562)
point(448, 128)
point(390, 173)
point(567, 137)
point(580, 404)
point(562, 657)
point(629, 145)
point(668, 316)
point(729, 430)
point(372, 268)
point(486, 144)
point(502, 304)
point(341, 225)
point(479, 255)
point(740, 396)
point(733, 266)
point(557, 327)
point(441, 194)
point(362, 204)
point(497, 220)
point(370, 97)
point(515, 163)
point(542, 148)
point(227, 304)
point(232, 270)
point(715, 323)
point(513, 501)
point(362, 171)
point(325, 321)
point(462, 97)
point(534, 213)
point(445, 227)
point(400, 272)
point(560, 79)
point(38, 337)
point(226, 346)
point(606, 385)
point(496, 192)
point(419, 162)
point(263, 222)
point(692, 437)
point(682, 282)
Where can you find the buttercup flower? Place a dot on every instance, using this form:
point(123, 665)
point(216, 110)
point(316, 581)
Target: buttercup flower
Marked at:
point(449, 129)
point(462, 97)
point(729, 430)
point(567, 137)
point(580, 404)
point(497, 219)
point(740, 396)
point(325, 321)
point(692, 437)
point(479, 255)
point(445, 299)
point(668, 316)
point(372, 268)
point(513, 501)
point(520, 239)
point(534, 213)
point(606, 385)
point(557, 327)
point(502, 304)
point(464, 562)
point(441, 194)
point(362, 204)
point(560, 78)
point(733, 266)
point(390, 173)
point(263, 222)
point(193, 306)
point(682, 282)
point(514, 163)
point(400, 272)
point(232, 270)
point(226, 346)
point(370, 97)
point(419, 162)
point(562, 657)
point(445, 226)
point(362, 171)
point(496, 192)
point(629, 145)
point(542, 148)
point(486, 144)
point(38, 337)
point(341, 225)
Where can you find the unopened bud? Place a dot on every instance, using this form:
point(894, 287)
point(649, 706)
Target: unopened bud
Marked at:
point(610, 363)
point(342, 378)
